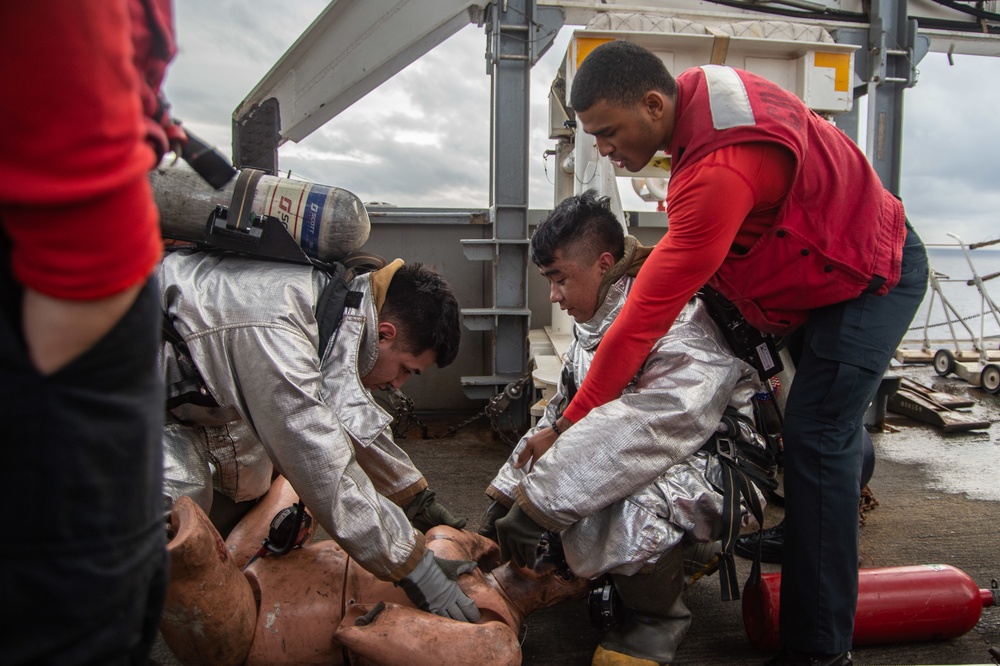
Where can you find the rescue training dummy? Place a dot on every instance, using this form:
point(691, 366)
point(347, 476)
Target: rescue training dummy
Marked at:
point(257, 383)
point(317, 605)
point(637, 485)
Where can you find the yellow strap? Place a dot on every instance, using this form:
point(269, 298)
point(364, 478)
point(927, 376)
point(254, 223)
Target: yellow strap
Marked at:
point(720, 46)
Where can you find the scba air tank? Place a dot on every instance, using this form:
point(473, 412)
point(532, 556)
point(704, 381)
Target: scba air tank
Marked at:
point(895, 605)
point(327, 222)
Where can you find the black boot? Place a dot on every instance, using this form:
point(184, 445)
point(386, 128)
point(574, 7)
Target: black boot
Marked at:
point(655, 618)
point(772, 541)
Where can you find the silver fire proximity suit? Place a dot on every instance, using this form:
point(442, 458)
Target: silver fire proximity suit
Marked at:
point(250, 334)
point(626, 484)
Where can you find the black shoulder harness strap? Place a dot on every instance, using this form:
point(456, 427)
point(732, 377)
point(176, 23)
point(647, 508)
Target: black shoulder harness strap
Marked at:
point(337, 295)
point(748, 344)
point(743, 463)
point(330, 307)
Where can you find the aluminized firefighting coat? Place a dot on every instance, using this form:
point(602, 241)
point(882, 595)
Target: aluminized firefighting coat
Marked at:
point(627, 482)
point(250, 330)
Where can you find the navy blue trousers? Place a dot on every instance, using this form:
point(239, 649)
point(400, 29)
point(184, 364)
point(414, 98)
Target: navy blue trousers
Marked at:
point(83, 567)
point(847, 349)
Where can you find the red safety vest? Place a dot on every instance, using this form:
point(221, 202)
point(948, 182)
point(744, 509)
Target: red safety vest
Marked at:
point(839, 232)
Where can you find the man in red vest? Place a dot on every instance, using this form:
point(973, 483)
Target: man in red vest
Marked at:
point(780, 211)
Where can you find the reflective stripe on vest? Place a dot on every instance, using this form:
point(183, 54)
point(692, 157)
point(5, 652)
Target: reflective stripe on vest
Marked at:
point(727, 98)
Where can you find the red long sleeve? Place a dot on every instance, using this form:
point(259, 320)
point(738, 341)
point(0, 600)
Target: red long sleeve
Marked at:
point(731, 195)
point(74, 194)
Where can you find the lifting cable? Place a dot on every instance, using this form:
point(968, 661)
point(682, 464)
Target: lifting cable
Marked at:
point(856, 17)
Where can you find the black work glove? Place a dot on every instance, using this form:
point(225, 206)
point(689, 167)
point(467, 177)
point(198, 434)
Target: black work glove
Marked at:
point(424, 512)
point(432, 587)
point(488, 523)
point(518, 536)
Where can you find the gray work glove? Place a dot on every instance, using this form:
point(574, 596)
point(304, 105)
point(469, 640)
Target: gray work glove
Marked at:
point(432, 587)
point(518, 536)
point(488, 523)
point(424, 512)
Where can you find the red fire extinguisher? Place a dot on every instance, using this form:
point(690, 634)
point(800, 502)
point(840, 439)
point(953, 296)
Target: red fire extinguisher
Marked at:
point(895, 605)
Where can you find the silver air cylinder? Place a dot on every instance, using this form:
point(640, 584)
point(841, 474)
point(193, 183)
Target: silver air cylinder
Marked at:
point(327, 222)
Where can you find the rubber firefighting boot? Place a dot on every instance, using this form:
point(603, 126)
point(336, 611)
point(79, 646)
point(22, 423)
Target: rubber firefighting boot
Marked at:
point(655, 616)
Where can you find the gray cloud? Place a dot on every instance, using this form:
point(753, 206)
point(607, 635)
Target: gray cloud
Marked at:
point(951, 149)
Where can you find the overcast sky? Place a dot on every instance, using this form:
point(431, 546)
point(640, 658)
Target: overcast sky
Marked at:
point(422, 138)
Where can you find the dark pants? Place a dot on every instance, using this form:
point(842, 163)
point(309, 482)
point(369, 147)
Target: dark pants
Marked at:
point(83, 563)
point(848, 347)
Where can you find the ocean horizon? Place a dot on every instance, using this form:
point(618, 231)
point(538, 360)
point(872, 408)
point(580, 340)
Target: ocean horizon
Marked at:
point(964, 298)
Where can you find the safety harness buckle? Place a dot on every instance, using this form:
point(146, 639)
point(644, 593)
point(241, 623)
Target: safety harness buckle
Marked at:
point(725, 447)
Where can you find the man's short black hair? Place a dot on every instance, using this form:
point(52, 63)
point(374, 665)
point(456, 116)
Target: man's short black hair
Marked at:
point(620, 73)
point(583, 222)
point(421, 305)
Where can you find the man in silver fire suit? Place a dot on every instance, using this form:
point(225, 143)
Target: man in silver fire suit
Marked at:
point(251, 393)
point(629, 489)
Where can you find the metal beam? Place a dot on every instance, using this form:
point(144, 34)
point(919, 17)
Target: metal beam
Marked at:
point(509, 65)
point(351, 48)
point(517, 36)
point(891, 70)
point(965, 35)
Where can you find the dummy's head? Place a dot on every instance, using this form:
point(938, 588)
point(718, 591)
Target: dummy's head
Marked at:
point(419, 325)
point(574, 247)
point(624, 96)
